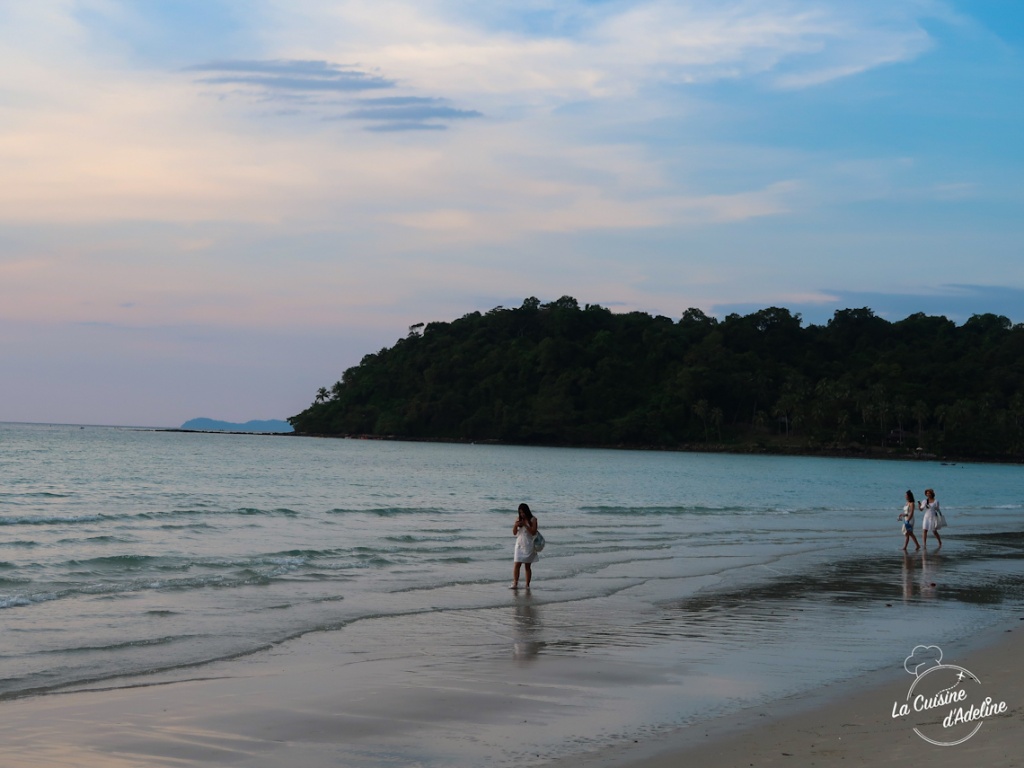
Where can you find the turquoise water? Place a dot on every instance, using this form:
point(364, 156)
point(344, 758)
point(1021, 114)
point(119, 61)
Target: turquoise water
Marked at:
point(709, 581)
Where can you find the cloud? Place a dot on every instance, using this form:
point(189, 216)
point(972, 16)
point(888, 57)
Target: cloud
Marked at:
point(410, 112)
point(598, 50)
point(301, 82)
point(300, 76)
point(405, 125)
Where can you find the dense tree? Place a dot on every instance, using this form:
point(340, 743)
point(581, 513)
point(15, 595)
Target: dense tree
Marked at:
point(559, 373)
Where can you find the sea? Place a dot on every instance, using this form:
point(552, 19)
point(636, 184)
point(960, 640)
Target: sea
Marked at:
point(674, 586)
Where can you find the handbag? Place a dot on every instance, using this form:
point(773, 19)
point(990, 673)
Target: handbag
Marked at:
point(538, 542)
point(940, 520)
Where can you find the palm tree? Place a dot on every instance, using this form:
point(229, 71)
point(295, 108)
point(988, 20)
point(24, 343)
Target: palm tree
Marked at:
point(700, 409)
point(716, 419)
point(921, 411)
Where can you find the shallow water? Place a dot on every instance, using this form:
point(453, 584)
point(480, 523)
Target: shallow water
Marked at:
point(698, 583)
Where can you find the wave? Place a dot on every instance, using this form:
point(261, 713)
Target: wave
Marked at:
point(55, 680)
point(251, 511)
point(143, 642)
point(120, 562)
point(239, 512)
point(408, 538)
point(696, 510)
point(133, 562)
point(387, 511)
point(246, 577)
point(140, 585)
point(5, 496)
point(17, 601)
point(160, 515)
point(54, 519)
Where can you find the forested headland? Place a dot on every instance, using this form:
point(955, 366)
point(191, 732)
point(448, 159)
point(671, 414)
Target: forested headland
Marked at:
point(561, 374)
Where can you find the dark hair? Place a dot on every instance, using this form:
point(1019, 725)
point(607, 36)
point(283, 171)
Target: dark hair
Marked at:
point(524, 507)
point(910, 496)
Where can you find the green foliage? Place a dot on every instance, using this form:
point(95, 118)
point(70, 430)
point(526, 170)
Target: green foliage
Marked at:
point(559, 373)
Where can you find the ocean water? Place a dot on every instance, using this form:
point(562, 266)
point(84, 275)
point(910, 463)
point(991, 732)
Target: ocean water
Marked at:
point(696, 583)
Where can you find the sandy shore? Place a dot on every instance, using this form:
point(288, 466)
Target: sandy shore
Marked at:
point(851, 724)
point(305, 705)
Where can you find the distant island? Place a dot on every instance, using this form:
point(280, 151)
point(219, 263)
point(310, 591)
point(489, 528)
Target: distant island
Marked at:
point(212, 425)
point(563, 374)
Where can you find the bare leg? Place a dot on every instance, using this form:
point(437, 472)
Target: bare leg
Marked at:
point(515, 574)
point(926, 538)
point(938, 539)
point(529, 574)
point(916, 545)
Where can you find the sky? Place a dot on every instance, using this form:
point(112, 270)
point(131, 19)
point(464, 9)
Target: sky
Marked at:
point(214, 207)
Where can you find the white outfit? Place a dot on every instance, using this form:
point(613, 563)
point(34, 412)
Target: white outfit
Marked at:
point(524, 547)
point(930, 521)
point(908, 516)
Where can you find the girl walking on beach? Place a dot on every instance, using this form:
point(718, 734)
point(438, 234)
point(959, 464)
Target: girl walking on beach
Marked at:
point(525, 529)
point(907, 516)
point(932, 519)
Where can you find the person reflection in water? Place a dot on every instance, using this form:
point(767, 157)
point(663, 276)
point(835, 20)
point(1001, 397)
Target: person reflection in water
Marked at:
point(908, 578)
point(928, 574)
point(527, 643)
point(524, 530)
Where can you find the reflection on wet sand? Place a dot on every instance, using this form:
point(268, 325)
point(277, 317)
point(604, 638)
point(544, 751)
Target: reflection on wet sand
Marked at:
point(527, 629)
point(909, 561)
point(919, 576)
point(983, 570)
point(931, 568)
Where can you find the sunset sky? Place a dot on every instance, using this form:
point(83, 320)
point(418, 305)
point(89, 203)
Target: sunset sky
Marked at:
point(214, 207)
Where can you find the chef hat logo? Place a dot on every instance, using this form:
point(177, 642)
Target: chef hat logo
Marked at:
point(922, 658)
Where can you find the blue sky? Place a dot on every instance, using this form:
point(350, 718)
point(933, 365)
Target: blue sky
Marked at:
point(213, 208)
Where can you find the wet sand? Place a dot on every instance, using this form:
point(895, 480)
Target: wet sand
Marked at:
point(850, 724)
point(305, 705)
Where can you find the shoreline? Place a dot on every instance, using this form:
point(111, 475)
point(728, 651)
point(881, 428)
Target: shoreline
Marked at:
point(748, 449)
point(293, 704)
point(847, 721)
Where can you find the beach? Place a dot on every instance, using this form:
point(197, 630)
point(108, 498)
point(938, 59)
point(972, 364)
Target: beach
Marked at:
point(175, 599)
point(849, 723)
point(297, 705)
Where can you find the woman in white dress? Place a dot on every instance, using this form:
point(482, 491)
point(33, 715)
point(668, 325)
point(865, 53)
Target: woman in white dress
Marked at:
point(525, 529)
point(932, 519)
point(907, 516)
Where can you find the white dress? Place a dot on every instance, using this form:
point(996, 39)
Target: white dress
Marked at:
point(930, 521)
point(524, 547)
